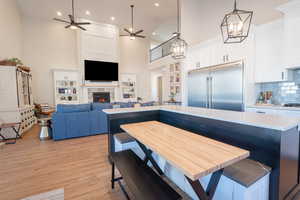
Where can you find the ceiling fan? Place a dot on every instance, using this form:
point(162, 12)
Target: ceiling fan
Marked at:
point(72, 23)
point(130, 32)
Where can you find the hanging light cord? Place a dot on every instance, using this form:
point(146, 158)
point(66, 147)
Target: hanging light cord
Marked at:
point(178, 18)
point(73, 10)
point(132, 18)
point(235, 7)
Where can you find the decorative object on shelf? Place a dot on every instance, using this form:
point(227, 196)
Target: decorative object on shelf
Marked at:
point(179, 46)
point(139, 99)
point(175, 81)
point(66, 86)
point(72, 23)
point(131, 32)
point(11, 62)
point(24, 68)
point(235, 26)
point(128, 87)
point(172, 97)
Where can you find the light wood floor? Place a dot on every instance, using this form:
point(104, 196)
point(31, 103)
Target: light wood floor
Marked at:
point(80, 166)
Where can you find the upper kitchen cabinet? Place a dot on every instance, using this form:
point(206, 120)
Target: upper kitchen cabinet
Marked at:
point(199, 56)
point(291, 48)
point(268, 58)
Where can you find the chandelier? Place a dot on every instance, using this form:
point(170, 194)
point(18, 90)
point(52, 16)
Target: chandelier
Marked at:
point(178, 46)
point(235, 26)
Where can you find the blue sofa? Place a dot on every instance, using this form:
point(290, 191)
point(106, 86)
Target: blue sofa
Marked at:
point(72, 121)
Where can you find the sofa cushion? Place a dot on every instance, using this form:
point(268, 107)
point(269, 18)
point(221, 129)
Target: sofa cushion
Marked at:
point(126, 104)
point(62, 108)
point(101, 106)
point(151, 103)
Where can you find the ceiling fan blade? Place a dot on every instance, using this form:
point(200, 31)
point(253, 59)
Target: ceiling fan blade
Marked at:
point(81, 28)
point(125, 29)
point(83, 23)
point(68, 26)
point(140, 31)
point(140, 36)
point(60, 20)
point(124, 35)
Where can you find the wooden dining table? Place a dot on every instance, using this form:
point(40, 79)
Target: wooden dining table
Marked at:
point(194, 155)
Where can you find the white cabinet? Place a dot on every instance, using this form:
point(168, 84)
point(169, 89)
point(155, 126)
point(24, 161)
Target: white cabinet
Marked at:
point(269, 43)
point(292, 42)
point(16, 99)
point(291, 33)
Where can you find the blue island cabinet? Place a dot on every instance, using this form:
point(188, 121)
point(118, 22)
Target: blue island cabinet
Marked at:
point(274, 147)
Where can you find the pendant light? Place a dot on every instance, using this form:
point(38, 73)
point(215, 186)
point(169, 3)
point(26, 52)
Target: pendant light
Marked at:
point(179, 46)
point(235, 26)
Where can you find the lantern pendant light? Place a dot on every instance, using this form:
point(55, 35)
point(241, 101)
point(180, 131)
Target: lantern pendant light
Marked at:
point(235, 26)
point(179, 46)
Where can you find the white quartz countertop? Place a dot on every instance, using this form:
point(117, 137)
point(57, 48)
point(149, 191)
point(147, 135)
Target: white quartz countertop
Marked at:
point(275, 122)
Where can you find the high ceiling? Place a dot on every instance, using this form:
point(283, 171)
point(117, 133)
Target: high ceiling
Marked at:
point(204, 16)
point(147, 15)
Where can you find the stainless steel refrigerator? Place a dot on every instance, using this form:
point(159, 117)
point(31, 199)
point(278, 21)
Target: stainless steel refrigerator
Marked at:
point(217, 87)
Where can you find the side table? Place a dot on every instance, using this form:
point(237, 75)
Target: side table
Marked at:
point(46, 131)
point(13, 127)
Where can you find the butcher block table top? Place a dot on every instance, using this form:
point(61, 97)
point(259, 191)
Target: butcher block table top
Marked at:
point(195, 155)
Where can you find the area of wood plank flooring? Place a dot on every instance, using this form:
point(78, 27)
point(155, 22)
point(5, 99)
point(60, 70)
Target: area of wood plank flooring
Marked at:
point(80, 166)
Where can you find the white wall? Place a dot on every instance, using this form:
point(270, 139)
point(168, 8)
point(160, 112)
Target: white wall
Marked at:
point(11, 30)
point(47, 45)
point(134, 59)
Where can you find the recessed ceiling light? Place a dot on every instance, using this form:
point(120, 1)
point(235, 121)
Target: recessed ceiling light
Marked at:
point(112, 18)
point(87, 12)
point(154, 33)
point(156, 4)
point(59, 13)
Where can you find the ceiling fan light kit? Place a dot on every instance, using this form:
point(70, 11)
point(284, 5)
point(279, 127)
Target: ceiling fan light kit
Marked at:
point(235, 26)
point(179, 46)
point(72, 24)
point(131, 34)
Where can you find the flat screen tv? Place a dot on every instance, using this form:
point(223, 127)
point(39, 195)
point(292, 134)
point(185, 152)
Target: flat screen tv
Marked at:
point(101, 71)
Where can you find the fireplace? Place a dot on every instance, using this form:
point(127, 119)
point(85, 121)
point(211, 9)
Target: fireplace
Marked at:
point(101, 97)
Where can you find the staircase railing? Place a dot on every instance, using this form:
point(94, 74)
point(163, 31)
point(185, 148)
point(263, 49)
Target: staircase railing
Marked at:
point(162, 50)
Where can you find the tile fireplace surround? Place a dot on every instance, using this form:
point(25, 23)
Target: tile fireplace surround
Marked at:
point(109, 90)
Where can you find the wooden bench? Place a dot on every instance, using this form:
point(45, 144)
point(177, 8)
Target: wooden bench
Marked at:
point(141, 180)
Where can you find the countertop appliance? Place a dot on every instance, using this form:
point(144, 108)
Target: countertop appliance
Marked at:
point(217, 87)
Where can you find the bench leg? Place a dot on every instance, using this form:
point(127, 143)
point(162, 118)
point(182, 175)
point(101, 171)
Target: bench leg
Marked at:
point(113, 175)
point(148, 154)
point(211, 188)
point(113, 180)
point(123, 190)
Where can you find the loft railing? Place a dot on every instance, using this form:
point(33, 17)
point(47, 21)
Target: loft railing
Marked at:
point(162, 50)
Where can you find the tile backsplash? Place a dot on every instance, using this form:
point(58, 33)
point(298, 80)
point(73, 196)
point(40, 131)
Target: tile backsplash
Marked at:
point(283, 92)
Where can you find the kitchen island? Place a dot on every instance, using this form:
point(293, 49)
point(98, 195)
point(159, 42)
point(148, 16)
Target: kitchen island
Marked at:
point(271, 140)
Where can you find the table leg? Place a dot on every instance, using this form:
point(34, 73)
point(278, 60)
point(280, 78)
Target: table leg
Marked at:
point(207, 194)
point(148, 154)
